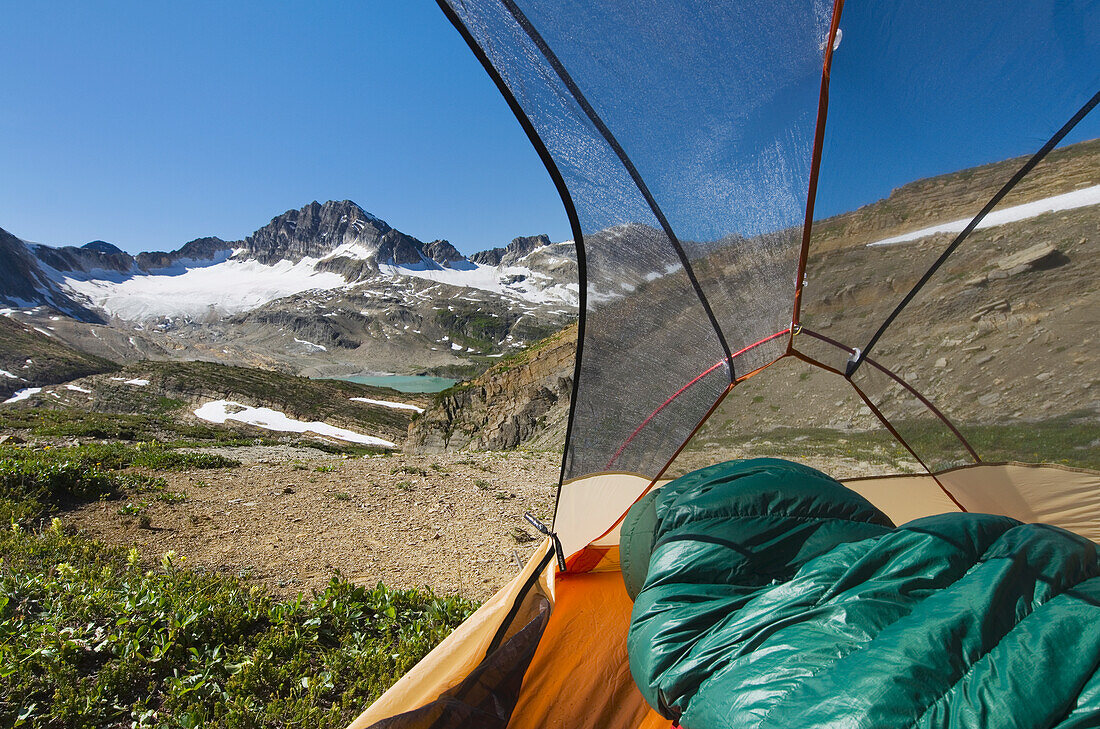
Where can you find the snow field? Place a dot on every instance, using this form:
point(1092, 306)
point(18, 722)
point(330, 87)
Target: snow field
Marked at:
point(219, 411)
point(1068, 201)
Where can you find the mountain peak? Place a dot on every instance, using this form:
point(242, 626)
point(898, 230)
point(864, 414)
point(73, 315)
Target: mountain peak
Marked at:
point(315, 231)
point(517, 249)
point(102, 246)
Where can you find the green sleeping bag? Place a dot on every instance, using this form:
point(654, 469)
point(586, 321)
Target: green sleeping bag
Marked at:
point(769, 595)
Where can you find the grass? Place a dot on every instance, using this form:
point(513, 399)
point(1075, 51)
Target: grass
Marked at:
point(117, 456)
point(1068, 440)
point(153, 427)
point(68, 423)
point(89, 638)
point(35, 482)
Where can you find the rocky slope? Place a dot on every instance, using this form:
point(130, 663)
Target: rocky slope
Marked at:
point(523, 401)
point(32, 358)
point(1002, 339)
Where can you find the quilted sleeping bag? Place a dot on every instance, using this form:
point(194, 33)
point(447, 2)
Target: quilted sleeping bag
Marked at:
point(769, 595)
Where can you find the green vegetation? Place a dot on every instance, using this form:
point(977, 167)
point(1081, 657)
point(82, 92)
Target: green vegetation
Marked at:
point(132, 509)
point(340, 449)
point(88, 638)
point(117, 456)
point(1069, 440)
point(67, 423)
point(41, 360)
point(153, 427)
point(124, 412)
point(299, 397)
point(37, 481)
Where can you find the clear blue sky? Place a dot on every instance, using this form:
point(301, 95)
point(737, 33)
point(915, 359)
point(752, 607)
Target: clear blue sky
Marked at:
point(147, 124)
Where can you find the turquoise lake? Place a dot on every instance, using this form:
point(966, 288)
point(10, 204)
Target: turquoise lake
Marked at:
point(404, 383)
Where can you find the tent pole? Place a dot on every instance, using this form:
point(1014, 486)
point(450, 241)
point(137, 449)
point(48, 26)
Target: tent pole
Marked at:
point(815, 166)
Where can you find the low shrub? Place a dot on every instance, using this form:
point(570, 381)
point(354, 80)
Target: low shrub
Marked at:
point(88, 638)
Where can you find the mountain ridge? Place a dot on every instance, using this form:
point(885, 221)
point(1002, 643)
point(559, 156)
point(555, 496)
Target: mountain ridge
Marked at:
point(326, 288)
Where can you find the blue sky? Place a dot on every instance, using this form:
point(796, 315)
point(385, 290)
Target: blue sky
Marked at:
point(148, 124)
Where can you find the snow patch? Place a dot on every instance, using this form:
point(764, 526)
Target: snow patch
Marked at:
point(1068, 201)
point(229, 287)
point(492, 279)
point(355, 251)
point(137, 382)
point(220, 411)
point(9, 375)
point(321, 347)
point(23, 394)
point(76, 388)
point(389, 404)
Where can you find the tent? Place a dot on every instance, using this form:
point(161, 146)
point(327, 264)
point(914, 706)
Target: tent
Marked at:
point(899, 198)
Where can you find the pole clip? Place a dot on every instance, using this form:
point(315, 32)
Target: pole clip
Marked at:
point(545, 530)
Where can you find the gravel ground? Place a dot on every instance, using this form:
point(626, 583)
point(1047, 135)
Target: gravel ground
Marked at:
point(290, 518)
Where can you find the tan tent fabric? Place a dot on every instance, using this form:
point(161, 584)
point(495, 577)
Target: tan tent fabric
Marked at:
point(457, 655)
point(588, 506)
point(904, 498)
point(1068, 498)
point(1064, 497)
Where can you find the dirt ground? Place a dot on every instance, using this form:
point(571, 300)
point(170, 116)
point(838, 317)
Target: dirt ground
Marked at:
point(289, 518)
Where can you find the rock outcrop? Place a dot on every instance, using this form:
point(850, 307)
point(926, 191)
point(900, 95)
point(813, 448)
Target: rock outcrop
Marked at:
point(517, 249)
point(523, 401)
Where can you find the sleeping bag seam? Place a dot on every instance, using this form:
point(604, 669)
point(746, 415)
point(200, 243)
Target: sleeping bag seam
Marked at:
point(734, 515)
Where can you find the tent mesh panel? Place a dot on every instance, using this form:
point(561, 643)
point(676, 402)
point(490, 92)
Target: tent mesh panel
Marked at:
point(684, 135)
point(721, 131)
